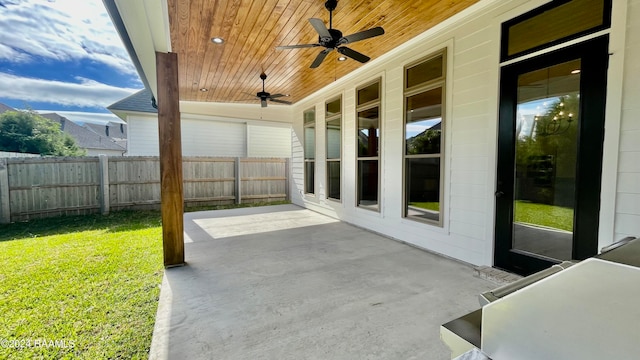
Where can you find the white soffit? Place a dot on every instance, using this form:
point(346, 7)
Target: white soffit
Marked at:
point(147, 25)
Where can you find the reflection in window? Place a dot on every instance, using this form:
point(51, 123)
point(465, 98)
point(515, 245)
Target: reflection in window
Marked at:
point(368, 140)
point(424, 120)
point(309, 150)
point(333, 118)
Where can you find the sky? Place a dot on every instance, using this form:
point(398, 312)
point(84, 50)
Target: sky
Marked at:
point(63, 56)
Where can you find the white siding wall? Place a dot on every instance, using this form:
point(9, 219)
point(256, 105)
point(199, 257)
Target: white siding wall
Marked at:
point(213, 138)
point(268, 141)
point(627, 222)
point(142, 135)
point(472, 39)
point(206, 137)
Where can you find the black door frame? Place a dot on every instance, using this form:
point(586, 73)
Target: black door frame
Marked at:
point(593, 85)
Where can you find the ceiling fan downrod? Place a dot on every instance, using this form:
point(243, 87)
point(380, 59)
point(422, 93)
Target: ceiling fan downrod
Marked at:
point(331, 5)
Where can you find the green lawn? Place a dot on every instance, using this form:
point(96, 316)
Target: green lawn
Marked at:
point(89, 283)
point(544, 215)
point(435, 206)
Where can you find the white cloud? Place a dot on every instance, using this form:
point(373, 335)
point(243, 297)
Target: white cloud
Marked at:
point(61, 30)
point(87, 93)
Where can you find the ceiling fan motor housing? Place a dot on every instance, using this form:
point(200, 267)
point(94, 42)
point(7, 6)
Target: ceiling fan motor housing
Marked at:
point(332, 42)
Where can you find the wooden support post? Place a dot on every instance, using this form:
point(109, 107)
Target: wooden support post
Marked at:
point(103, 173)
point(5, 205)
point(238, 181)
point(171, 191)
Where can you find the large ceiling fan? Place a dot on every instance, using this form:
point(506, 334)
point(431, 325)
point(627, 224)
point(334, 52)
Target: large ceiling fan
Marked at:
point(332, 38)
point(264, 96)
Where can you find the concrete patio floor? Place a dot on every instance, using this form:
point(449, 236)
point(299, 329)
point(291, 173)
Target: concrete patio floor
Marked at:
point(283, 282)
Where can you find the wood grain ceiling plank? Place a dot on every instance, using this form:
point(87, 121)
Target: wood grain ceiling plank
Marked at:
point(242, 40)
point(247, 81)
point(220, 27)
point(229, 28)
point(252, 50)
point(179, 25)
point(197, 42)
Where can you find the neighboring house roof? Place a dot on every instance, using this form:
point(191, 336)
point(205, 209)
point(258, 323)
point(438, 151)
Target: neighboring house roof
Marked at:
point(139, 102)
point(116, 132)
point(85, 138)
point(5, 108)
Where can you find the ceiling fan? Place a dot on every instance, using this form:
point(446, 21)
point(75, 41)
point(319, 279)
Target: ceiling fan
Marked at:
point(332, 38)
point(264, 96)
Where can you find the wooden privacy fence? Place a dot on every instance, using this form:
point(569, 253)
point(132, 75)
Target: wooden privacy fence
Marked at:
point(41, 187)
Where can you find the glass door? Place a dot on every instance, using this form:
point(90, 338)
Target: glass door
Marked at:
point(550, 157)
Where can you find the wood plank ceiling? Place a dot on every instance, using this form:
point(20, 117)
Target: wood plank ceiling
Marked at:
point(253, 28)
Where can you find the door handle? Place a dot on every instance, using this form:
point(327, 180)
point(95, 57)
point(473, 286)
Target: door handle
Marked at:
point(499, 193)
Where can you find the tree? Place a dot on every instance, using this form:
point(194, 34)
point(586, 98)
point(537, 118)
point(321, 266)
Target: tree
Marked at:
point(28, 132)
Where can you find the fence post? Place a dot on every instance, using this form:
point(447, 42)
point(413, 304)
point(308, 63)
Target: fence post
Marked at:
point(103, 173)
point(5, 205)
point(287, 173)
point(238, 181)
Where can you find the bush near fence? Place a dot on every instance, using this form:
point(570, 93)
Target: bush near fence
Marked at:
point(52, 186)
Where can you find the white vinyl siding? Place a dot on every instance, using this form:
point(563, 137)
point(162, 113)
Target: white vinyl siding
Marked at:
point(627, 217)
point(213, 138)
point(142, 135)
point(201, 137)
point(268, 141)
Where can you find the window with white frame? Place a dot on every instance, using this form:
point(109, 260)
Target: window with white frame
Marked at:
point(333, 117)
point(424, 126)
point(368, 142)
point(309, 124)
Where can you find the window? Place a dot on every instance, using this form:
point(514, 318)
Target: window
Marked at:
point(553, 23)
point(423, 133)
point(368, 140)
point(333, 117)
point(309, 150)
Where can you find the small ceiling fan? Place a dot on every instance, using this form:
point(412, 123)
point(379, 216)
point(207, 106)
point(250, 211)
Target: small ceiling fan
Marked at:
point(264, 96)
point(332, 38)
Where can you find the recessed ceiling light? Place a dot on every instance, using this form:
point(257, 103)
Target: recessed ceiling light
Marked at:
point(217, 40)
point(342, 58)
point(576, 71)
point(204, 89)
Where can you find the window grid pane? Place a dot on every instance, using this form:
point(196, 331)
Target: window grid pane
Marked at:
point(423, 131)
point(368, 152)
point(333, 119)
point(368, 183)
point(309, 134)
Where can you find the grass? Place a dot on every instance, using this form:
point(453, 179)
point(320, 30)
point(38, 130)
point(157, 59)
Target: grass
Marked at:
point(544, 215)
point(435, 206)
point(91, 283)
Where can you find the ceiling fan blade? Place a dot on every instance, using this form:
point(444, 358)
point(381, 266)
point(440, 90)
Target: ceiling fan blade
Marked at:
point(297, 46)
point(362, 35)
point(263, 102)
point(321, 28)
point(273, 96)
point(281, 101)
point(320, 58)
point(353, 54)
